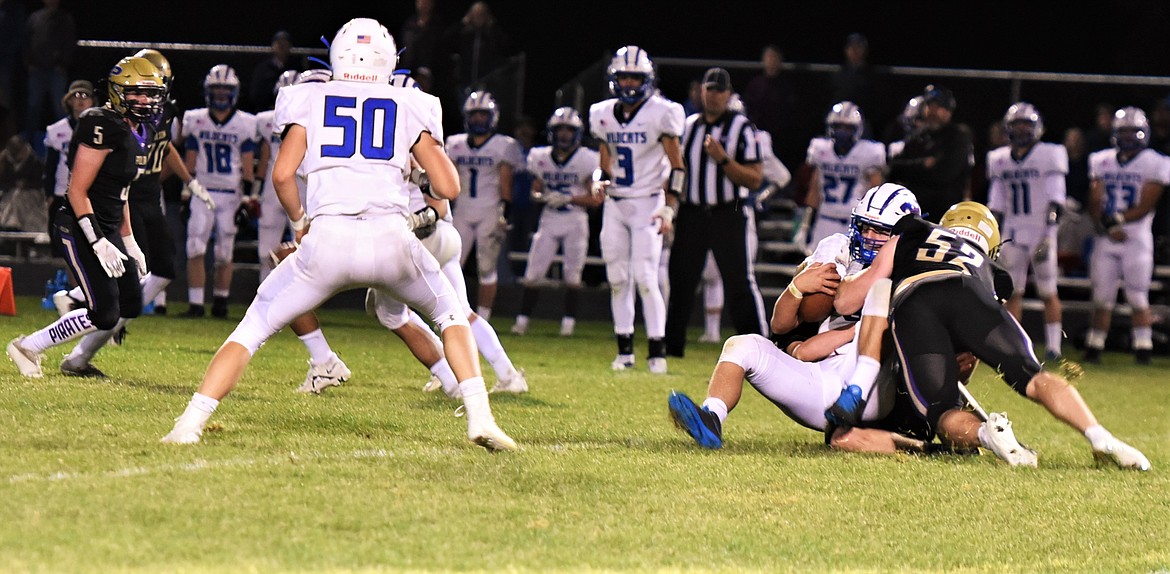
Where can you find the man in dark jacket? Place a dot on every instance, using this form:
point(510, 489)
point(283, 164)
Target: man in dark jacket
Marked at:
point(936, 163)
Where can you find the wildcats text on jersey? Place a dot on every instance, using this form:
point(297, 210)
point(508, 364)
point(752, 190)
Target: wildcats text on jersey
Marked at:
point(841, 169)
point(559, 177)
point(626, 137)
point(219, 136)
point(475, 160)
point(1023, 173)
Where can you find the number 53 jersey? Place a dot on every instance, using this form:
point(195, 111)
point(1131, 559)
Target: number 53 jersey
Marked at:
point(359, 137)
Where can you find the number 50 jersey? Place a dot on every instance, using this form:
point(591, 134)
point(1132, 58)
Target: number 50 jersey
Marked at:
point(359, 139)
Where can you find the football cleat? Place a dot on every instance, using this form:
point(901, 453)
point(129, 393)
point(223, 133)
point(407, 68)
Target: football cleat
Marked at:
point(846, 411)
point(1123, 455)
point(1092, 356)
point(568, 324)
point(622, 363)
point(64, 303)
point(520, 328)
point(517, 384)
point(433, 385)
point(700, 423)
point(710, 338)
point(28, 362)
point(997, 430)
point(195, 311)
point(1143, 356)
point(331, 373)
point(73, 369)
point(183, 435)
point(657, 365)
point(219, 308)
point(488, 435)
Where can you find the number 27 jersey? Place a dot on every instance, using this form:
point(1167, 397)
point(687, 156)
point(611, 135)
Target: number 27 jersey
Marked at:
point(359, 137)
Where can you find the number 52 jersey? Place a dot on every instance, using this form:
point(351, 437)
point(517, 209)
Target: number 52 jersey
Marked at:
point(359, 137)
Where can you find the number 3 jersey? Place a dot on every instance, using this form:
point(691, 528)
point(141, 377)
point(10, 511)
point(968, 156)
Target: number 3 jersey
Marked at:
point(1123, 182)
point(479, 168)
point(638, 164)
point(844, 179)
point(220, 146)
point(1021, 189)
point(359, 137)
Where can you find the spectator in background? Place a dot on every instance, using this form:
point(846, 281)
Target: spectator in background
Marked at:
point(477, 45)
point(996, 138)
point(768, 102)
point(855, 81)
point(1160, 142)
point(425, 79)
point(1076, 227)
point(12, 17)
point(421, 38)
point(19, 166)
point(55, 178)
point(264, 75)
point(694, 102)
point(50, 38)
point(1100, 137)
point(936, 162)
point(1077, 181)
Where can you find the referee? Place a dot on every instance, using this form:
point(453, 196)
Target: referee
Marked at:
point(722, 161)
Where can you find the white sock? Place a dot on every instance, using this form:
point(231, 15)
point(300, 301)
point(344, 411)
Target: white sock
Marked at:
point(717, 408)
point(475, 399)
point(77, 294)
point(221, 293)
point(1098, 437)
point(1095, 339)
point(93, 342)
point(1053, 333)
point(160, 300)
point(1143, 338)
point(195, 295)
point(491, 349)
point(68, 327)
point(484, 313)
point(197, 411)
point(319, 351)
point(865, 374)
point(152, 286)
point(712, 323)
point(568, 323)
point(446, 376)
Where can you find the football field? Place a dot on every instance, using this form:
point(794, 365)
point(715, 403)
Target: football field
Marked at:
point(377, 476)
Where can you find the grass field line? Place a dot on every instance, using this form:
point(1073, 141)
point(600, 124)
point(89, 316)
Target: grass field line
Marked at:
point(290, 457)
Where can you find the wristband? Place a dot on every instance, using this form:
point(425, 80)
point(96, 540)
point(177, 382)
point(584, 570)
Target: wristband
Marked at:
point(794, 291)
point(678, 181)
point(89, 227)
point(506, 209)
point(299, 224)
point(723, 162)
point(247, 187)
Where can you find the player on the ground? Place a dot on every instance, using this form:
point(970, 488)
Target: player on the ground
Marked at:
point(640, 154)
point(486, 162)
point(337, 133)
point(220, 147)
point(1027, 196)
point(562, 171)
point(1128, 181)
point(844, 167)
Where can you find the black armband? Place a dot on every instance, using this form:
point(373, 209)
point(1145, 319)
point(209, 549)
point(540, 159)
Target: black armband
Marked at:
point(247, 187)
point(89, 228)
point(678, 181)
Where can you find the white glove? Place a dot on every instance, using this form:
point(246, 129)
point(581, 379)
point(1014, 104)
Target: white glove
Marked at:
point(425, 217)
point(195, 188)
point(666, 213)
point(556, 200)
point(599, 184)
point(134, 251)
point(110, 257)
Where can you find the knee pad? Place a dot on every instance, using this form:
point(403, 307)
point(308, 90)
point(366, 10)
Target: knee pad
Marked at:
point(1138, 299)
point(489, 278)
point(390, 312)
point(224, 245)
point(196, 246)
point(743, 350)
point(447, 314)
point(618, 274)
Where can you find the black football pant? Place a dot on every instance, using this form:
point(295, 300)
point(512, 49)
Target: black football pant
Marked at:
point(108, 298)
point(153, 234)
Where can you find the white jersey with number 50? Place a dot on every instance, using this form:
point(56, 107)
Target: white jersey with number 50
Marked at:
point(638, 163)
point(367, 129)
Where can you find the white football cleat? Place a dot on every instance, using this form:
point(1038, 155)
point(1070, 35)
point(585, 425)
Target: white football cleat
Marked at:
point(709, 338)
point(1123, 455)
point(331, 373)
point(657, 365)
point(28, 362)
point(517, 384)
point(622, 363)
point(519, 328)
point(488, 435)
point(433, 385)
point(997, 429)
point(568, 324)
point(183, 434)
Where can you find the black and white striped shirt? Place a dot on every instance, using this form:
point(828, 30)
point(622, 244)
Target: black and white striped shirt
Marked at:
point(707, 184)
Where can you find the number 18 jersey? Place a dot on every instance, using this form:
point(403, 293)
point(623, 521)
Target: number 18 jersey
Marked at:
point(359, 137)
point(219, 145)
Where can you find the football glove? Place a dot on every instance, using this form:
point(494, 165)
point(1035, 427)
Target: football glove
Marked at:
point(1112, 221)
point(557, 200)
point(135, 252)
point(422, 222)
point(418, 176)
point(110, 258)
point(194, 188)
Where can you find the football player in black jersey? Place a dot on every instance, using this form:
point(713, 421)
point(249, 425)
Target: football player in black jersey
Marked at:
point(107, 153)
point(151, 231)
point(944, 302)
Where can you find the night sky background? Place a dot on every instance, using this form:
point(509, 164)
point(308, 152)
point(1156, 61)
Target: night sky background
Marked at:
point(562, 38)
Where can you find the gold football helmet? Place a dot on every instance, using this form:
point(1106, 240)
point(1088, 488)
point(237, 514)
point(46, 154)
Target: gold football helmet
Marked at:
point(136, 76)
point(974, 221)
point(160, 61)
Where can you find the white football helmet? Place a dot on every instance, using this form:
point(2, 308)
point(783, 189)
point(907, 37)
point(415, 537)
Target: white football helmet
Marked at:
point(363, 51)
point(314, 76)
point(912, 115)
point(634, 61)
point(565, 117)
point(287, 78)
point(402, 79)
point(843, 124)
point(735, 103)
point(880, 208)
point(1023, 124)
point(221, 87)
point(474, 123)
point(1131, 129)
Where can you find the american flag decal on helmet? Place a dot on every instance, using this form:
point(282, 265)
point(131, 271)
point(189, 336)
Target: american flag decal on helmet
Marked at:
point(363, 39)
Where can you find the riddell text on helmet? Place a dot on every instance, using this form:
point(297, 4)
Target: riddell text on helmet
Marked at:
point(358, 77)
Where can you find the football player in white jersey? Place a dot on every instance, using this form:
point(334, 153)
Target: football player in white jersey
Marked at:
point(1127, 182)
point(220, 147)
point(273, 224)
point(1027, 196)
point(562, 171)
point(353, 137)
point(486, 161)
point(844, 167)
point(640, 152)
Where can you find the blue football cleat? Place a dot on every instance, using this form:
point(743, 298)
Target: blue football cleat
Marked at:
point(846, 411)
point(700, 423)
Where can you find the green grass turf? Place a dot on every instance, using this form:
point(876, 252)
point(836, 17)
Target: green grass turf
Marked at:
point(377, 476)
